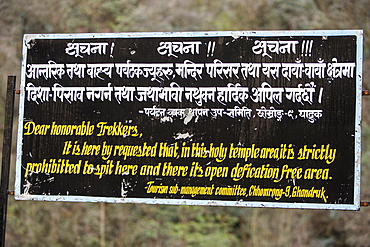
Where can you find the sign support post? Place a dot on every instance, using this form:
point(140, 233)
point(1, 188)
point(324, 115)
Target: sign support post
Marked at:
point(7, 145)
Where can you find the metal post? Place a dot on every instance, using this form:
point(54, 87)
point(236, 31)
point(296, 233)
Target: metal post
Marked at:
point(7, 146)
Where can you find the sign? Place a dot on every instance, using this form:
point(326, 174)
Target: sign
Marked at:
point(255, 119)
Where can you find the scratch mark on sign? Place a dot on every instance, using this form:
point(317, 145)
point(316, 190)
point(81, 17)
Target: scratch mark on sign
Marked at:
point(188, 116)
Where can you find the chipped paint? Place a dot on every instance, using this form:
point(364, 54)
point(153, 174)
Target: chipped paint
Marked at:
point(235, 35)
point(190, 116)
point(166, 119)
point(29, 40)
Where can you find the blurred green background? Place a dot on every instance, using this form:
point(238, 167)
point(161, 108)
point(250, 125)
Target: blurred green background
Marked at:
point(87, 224)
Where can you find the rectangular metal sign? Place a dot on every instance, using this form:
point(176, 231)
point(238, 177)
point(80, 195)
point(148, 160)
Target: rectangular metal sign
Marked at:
point(254, 119)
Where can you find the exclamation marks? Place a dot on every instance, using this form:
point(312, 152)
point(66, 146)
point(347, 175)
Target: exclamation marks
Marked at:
point(307, 48)
point(211, 46)
point(111, 49)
